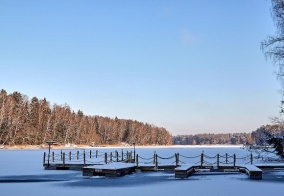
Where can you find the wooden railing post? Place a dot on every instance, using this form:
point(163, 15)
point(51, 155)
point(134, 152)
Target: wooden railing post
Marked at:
point(110, 157)
point(44, 154)
point(105, 158)
point(226, 158)
point(156, 158)
point(52, 156)
point(177, 159)
point(77, 154)
point(130, 157)
point(218, 160)
point(70, 156)
point(251, 158)
point(116, 152)
point(84, 157)
point(137, 160)
point(234, 160)
point(90, 154)
point(202, 159)
point(122, 155)
point(61, 155)
point(96, 153)
point(63, 158)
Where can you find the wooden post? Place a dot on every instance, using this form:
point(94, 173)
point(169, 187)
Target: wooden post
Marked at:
point(44, 154)
point(177, 158)
point(84, 158)
point(105, 158)
point(61, 155)
point(127, 157)
point(130, 157)
point(52, 156)
point(110, 157)
point(226, 158)
point(218, 160)
point(77, 154)
point(122, 155)
point(96, 153)
point(136, 160)
point(63, 158)
point(90, 154)
point(156, 158)
point(116, 152)
point(201, 159)
point(251, 158)
point(234, 160)
point(70, 156)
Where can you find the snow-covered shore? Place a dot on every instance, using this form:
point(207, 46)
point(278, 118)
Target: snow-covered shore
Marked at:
point(73, 146)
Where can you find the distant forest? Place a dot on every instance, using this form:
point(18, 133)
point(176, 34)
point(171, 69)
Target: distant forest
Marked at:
point(254, 137)
point(209, 139)
point(33, 122)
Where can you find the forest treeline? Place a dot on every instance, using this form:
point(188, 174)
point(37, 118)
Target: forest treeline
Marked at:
point(25, 121)
point(255, 137)
point(210, 139)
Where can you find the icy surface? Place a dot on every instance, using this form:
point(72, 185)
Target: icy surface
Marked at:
point(22, 174)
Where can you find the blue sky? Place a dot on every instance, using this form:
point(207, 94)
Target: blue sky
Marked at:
point(192, 66)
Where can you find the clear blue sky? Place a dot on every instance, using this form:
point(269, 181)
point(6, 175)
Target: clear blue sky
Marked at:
point(192, 66)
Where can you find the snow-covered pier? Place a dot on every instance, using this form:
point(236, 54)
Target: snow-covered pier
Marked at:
point(114, 164)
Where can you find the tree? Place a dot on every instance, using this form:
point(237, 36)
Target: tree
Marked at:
point(273, 47)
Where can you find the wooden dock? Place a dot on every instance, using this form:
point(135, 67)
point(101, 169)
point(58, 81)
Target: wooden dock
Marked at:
point(114, 164)
point(109, 170)
point(185, 171)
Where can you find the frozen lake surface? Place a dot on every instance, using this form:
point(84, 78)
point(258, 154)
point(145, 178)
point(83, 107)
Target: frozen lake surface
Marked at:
point(22, 174)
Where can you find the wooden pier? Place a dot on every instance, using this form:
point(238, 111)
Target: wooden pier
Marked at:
point(109, 170)
point(115, 164)
point(186, 170)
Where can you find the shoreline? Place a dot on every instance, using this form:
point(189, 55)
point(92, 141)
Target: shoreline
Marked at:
point(72, 146)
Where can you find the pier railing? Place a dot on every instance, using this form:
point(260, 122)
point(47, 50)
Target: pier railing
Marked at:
point(96, 157)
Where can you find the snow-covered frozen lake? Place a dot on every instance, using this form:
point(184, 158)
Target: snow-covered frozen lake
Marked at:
point(22, 173)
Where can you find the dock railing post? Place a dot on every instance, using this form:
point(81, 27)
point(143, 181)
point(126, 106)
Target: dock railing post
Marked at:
point(105, 158)
point(70, 156)
point(201, 159)
point(52, 156)
point(177, 159)
point(122, 155)
point(90, 154)
point(44, 154)
point(251, 158)
point(156, 158)
point(218, 160)
point(110, 157)
point(77, 154)
point(61, 155)
point(96, 153)
point(84, 158)
point(226, 158)
point(136, 160)
point(63, 158)
point(234, 160)
point(116, 152)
